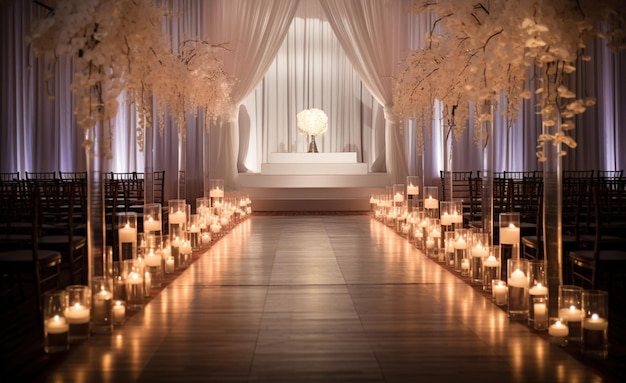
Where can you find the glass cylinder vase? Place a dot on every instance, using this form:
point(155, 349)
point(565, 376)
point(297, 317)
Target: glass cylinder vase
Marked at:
point(491, 268)
point(127, 235)
point(570, 309)
point(595, 325)
point(55, 325)
point(102, 305)
point(517, 281)
point(538, 290)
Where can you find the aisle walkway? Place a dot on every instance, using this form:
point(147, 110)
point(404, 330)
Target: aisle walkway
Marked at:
point(319, 299)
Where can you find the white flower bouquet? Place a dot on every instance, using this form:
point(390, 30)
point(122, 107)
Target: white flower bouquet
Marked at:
point(312, 122)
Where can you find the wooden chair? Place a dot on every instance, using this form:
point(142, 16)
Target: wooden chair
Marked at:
point(29, 261)
point(518, 175)
point(61, 234)
point(603, 266)
point(568, 174)
point(41, 175)
point(72, 176)
point(159, 187)
point(610, 174)
point(9, 176)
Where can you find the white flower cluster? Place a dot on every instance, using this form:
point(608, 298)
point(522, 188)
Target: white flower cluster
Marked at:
point(119, 46)
point(477, 50)
point(312, 122)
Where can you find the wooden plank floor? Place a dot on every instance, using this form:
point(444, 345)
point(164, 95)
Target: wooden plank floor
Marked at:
point(319, 299)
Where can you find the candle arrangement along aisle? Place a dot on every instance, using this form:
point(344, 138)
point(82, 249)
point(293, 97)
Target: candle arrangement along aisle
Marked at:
point(519, 285)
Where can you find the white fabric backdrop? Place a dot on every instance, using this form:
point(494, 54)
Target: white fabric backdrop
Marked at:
point(310, 70)
point(40, 134)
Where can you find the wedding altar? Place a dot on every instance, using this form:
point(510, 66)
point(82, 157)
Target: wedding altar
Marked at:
point(312, 181)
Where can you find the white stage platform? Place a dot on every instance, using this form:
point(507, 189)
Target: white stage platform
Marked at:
point(295, 182)
point(313, 158)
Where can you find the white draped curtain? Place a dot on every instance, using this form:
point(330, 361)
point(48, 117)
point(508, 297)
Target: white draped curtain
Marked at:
point(310, 70)
point(374, 36)
point(38, 131)
point(253, 31)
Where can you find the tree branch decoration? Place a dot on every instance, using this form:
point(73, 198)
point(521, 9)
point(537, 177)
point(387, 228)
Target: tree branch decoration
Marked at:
point(477, 51)
point(120, 51)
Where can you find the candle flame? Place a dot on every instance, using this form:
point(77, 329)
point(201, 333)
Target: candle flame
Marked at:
point(572, 308)
point(594, 317)
point(558, 323)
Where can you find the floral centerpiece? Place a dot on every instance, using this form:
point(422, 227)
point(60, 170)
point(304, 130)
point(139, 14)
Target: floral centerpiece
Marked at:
point(312, 122)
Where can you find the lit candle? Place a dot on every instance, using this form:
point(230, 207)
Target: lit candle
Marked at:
point(538, 289)
point(491, 261)
point(169, 265)
point(206, 238)
point(134, 278)
point(479, 251)
point(177, 217)
point(499, 292)
point(216, 193)
point(194, 229)
point(216, 228)
point(151, 225)
point(119, 312)
point(77, 314)
point(595, 323)
point(518, 279)
point(465, 264)
point(185, 248)
point(509, 235)
point(571, 314)
point(224, 221)
point(127, 234)
point(446, 219)
point(460, 244)
point(152, 259)
point(435, 233)
point(558, 329)
point(398, 197)
point(450, 246)
point(456, 217)
point(541, 312)
point(431, 203)
point(57, 325)
point(412, 190)
point(430, 243)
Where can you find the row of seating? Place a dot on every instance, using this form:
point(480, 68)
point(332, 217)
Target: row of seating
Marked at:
point(43, 222)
